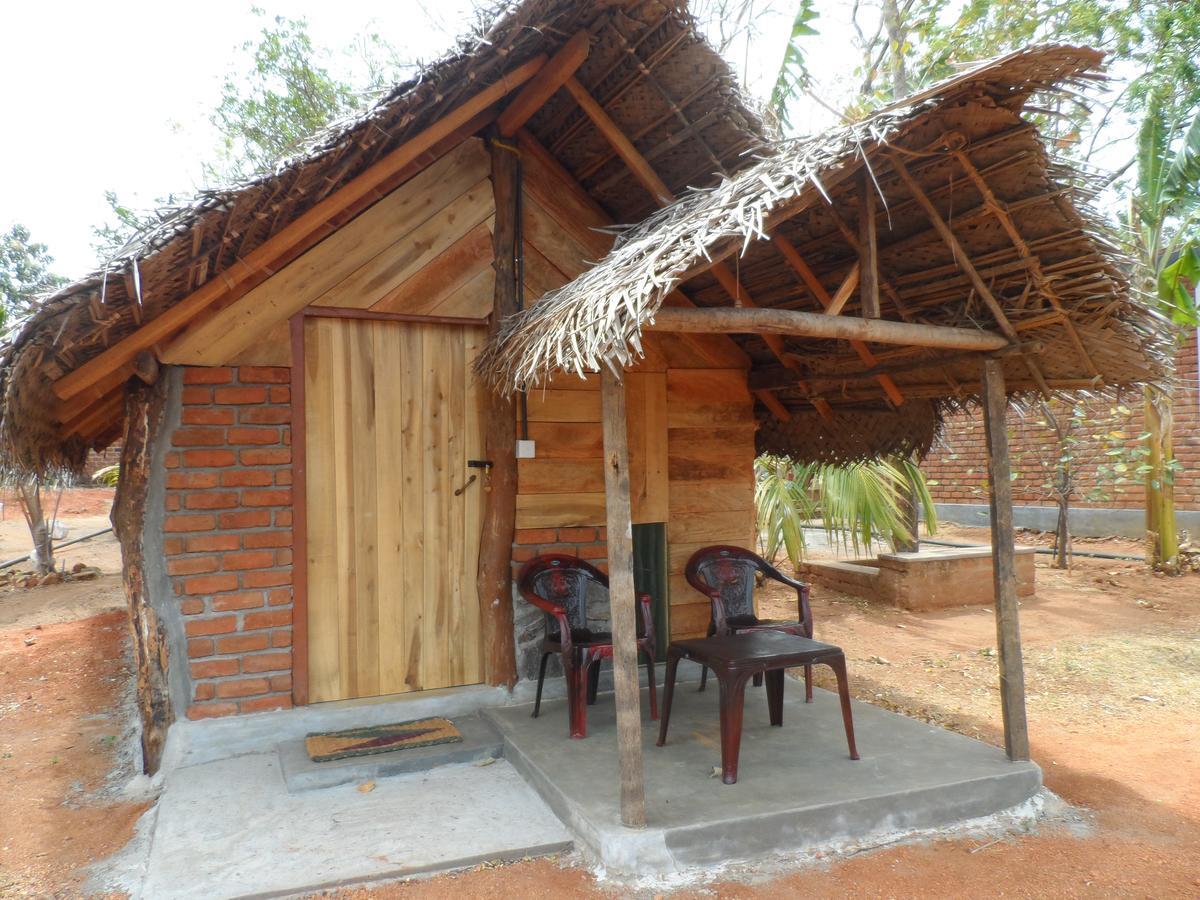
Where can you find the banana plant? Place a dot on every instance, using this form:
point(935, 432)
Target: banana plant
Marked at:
point(1165, 221)
point(853, 504)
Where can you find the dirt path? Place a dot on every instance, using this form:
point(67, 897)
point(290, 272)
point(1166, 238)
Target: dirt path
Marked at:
point(61, 726)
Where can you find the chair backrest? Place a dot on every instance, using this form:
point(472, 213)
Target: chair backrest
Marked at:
point(730, 572)
point(561, 581)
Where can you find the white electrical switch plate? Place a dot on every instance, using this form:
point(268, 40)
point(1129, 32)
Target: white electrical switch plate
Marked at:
point(526, 449)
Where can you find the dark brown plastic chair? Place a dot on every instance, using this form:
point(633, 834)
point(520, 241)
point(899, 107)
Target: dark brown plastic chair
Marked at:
point(558, 585)
point(726, 575)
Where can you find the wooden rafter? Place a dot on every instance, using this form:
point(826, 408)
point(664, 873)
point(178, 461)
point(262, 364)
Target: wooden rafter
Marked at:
point(104, 372)
point(801, 268)
point(649, 179)
point(1044, 284)
point(964, 262)
point(542, 86)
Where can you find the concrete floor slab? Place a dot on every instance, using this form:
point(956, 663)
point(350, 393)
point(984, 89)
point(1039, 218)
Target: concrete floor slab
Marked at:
point(479, 741)
point(797, 787)
point(229, 828)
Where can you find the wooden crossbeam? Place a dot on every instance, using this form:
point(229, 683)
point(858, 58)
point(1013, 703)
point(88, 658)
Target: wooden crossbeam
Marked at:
point(300, 234)
point(1044, 284)
point(793, 258)
point(748, 320)
point(964, 262)
point(542, 86)
point(838, 301)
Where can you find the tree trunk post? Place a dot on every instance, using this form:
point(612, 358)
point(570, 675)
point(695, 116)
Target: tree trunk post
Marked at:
point(1004, 571)
point(144, 410)
point(622, 600)
point(39, 531)
point(494, 580)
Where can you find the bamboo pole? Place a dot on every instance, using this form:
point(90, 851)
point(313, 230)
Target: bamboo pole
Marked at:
point(754, 320)
point(622, 600)
point(1004, 572)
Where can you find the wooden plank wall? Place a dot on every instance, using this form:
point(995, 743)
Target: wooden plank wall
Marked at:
point(424, 249)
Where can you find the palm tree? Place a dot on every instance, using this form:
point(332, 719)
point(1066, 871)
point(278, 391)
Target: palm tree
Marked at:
point(854, 503)
point(1165, 220)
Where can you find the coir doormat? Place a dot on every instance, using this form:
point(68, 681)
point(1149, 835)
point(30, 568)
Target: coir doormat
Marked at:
point(324, 746)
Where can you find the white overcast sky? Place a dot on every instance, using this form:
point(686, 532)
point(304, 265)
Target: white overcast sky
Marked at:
point(116, 95)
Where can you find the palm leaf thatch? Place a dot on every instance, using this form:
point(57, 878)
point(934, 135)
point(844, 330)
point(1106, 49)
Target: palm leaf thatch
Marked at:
point(1022, 218)
point(197, 241)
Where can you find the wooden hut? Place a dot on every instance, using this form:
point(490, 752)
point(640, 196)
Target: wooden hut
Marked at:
point(321, 500)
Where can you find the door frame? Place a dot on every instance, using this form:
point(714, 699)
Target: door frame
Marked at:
point(299, 471)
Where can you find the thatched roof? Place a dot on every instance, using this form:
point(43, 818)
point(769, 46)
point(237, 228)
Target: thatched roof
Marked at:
point(1061, 282)
point(648, 67)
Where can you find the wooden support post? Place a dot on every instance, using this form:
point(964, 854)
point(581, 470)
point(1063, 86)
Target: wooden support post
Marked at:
point(494, 581)
point(623, 600)
point(144, 411)
point(868, 255)
point(1004, 572)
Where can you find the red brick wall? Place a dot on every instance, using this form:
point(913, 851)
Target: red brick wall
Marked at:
point(228, 537)
point(586, 543)
point(958, 462)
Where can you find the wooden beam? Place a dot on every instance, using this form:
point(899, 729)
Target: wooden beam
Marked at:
point(580, 215)
point(649, 179)
point(494, 581)
point(299, 513)
point(774, 404)
point(868, 249)
point(839, 300)
point(964, 262)
point(616, 137)
point(793, 258)
point(541, 87)
point(622, 600)
point(723, 319)
point(297, 236)
point(1004, 572)
point(1001, 212)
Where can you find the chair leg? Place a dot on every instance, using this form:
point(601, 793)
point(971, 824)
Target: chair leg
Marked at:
point(838, 664)
point(703, 677)
point(808, 684)
point(577, 698)
point(758, 680)
point(537, 701)
point(593, 682)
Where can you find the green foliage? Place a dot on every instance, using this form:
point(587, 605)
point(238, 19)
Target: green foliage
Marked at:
point(853, 504)
point(793, 77)
point(24, 273)
point(287, 93)
point(108, 476)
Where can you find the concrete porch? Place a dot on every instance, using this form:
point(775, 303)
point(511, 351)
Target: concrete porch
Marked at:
point(797, 787)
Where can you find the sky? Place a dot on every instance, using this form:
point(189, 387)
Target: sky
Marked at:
point(116, 96)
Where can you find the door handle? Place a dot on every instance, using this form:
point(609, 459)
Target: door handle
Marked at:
point(470, 481)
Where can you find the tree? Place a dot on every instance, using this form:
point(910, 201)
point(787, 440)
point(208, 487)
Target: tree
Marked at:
point(24, 274)
point(271, 105)
point(1164, 217)
point(286, 93)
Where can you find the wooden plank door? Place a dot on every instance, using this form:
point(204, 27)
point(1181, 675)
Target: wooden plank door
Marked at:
point(392, 415)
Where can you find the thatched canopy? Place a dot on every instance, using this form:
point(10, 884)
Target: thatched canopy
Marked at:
point(647, 67)
point(1053, 283)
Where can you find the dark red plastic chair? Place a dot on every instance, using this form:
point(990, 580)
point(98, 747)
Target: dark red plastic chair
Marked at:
point(726, 575)
point(558, 585)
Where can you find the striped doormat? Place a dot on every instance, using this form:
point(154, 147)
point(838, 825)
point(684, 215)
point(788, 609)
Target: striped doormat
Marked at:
point(324, 746)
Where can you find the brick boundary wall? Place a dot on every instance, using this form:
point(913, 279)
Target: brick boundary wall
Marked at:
point(228, 537)
point(958, 461)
